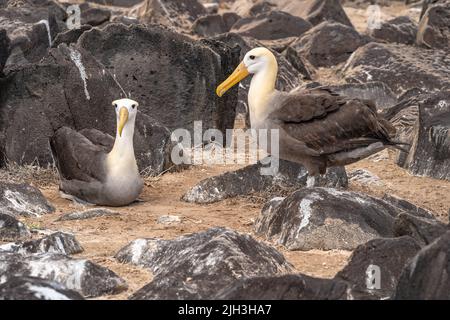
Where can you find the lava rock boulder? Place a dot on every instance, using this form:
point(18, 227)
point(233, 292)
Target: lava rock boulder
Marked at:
point(434, 27)
point(286, 287)
point(398, 30)
point(401, 67)
point(195, 266)
point(11, 228)
point(272, 25)
point(426, 275)
point(32, 288)
point(328, 44)
point(250, 179)
point(23, 200)
point(172, 77)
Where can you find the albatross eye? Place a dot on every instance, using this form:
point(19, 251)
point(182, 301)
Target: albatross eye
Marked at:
point(133, 106)
point(252, 57)
point(115, 105)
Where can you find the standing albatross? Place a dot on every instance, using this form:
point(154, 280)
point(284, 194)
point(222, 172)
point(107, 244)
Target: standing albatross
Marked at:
point(317, 128)
point(90, 171)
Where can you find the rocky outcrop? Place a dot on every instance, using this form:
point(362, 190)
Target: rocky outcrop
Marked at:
point(11, 228)
point(398, 30)
point(434, 27)
point(171, 76)
point(32, 288)
point(430, 151)
point(272, 25)
point(248, 180)
point(83, 276)
point(196, 265)
point(23, 200)
point(328, 44)
point(288, 287)
point(58, 242)
point(401, 67)
point(426, 276)
point(58, 92)
point(214, 24)
point(384, 258)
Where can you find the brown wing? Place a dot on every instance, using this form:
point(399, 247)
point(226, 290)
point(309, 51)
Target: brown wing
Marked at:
point(329, 123)
point(99, 138)
point(77, 158)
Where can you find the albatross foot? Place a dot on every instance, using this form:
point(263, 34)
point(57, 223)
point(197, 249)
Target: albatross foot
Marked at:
point(74, 199)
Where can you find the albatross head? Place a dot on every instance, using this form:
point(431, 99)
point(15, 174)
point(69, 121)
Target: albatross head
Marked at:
point(256, 61)
point(126, 110)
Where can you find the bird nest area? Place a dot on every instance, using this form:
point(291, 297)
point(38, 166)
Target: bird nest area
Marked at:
point(142, 69)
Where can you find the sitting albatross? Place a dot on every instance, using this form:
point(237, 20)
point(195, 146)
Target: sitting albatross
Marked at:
point(317, 128)
point(90, 171)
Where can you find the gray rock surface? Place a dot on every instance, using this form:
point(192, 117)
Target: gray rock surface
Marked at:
point(88, 214)
point(23, 200)
point(434, 27)
point(195, 266)
point(400, 29)
point(58, 242)
point(84, 276)
point(11, 228)
point(248, 180)
point(32, 288)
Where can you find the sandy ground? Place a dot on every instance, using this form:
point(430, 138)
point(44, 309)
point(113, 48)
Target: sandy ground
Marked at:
point(103, 237)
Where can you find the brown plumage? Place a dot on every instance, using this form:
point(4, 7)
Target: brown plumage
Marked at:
point(317, 127)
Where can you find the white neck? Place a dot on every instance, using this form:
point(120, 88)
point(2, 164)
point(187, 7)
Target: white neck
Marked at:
point(261, 88)
point(123, 149)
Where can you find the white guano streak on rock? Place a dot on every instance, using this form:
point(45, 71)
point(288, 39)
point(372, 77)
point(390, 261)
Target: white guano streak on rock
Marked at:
point(305, 210)
point(47, 26)
point(137, 248)
point(46, 293)
point(19, 204)
point(75, 56)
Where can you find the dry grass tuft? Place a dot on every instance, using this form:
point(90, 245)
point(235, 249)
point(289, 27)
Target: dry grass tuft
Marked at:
point(31, 174)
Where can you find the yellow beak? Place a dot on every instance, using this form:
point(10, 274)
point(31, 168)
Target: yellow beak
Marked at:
point(238, 74)
point(123, 118)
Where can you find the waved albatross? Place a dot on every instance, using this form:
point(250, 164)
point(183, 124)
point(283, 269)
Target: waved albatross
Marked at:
point(317, 127)
point(93, 173)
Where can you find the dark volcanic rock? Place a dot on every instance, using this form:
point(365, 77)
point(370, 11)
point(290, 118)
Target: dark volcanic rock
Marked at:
point(399, 30)
point(390, 255)
point(32, 288)
point(171, 76)
point(314, 11)
point(287, 287)
point(328, 44)
point(117, 3)
point(288, 77)
point(426, 276)
point(86, 277)
point(23, 200)
point(424, 230)
point(58, 242)
point(323, 218)
point(197, 265)
point(434, 27)
point(430, 152)
point(31, 26)
point(317, 11)
point(88, 214)
point(214, 24)
point(70, 36)
point(4, 48)
point(272, 25)
point(401, 67)
point(95, 16)
point(299, 63)
point(70, 88)
point(250, 180)
point(177, 13)
point(408, 207)
point(11, 228)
